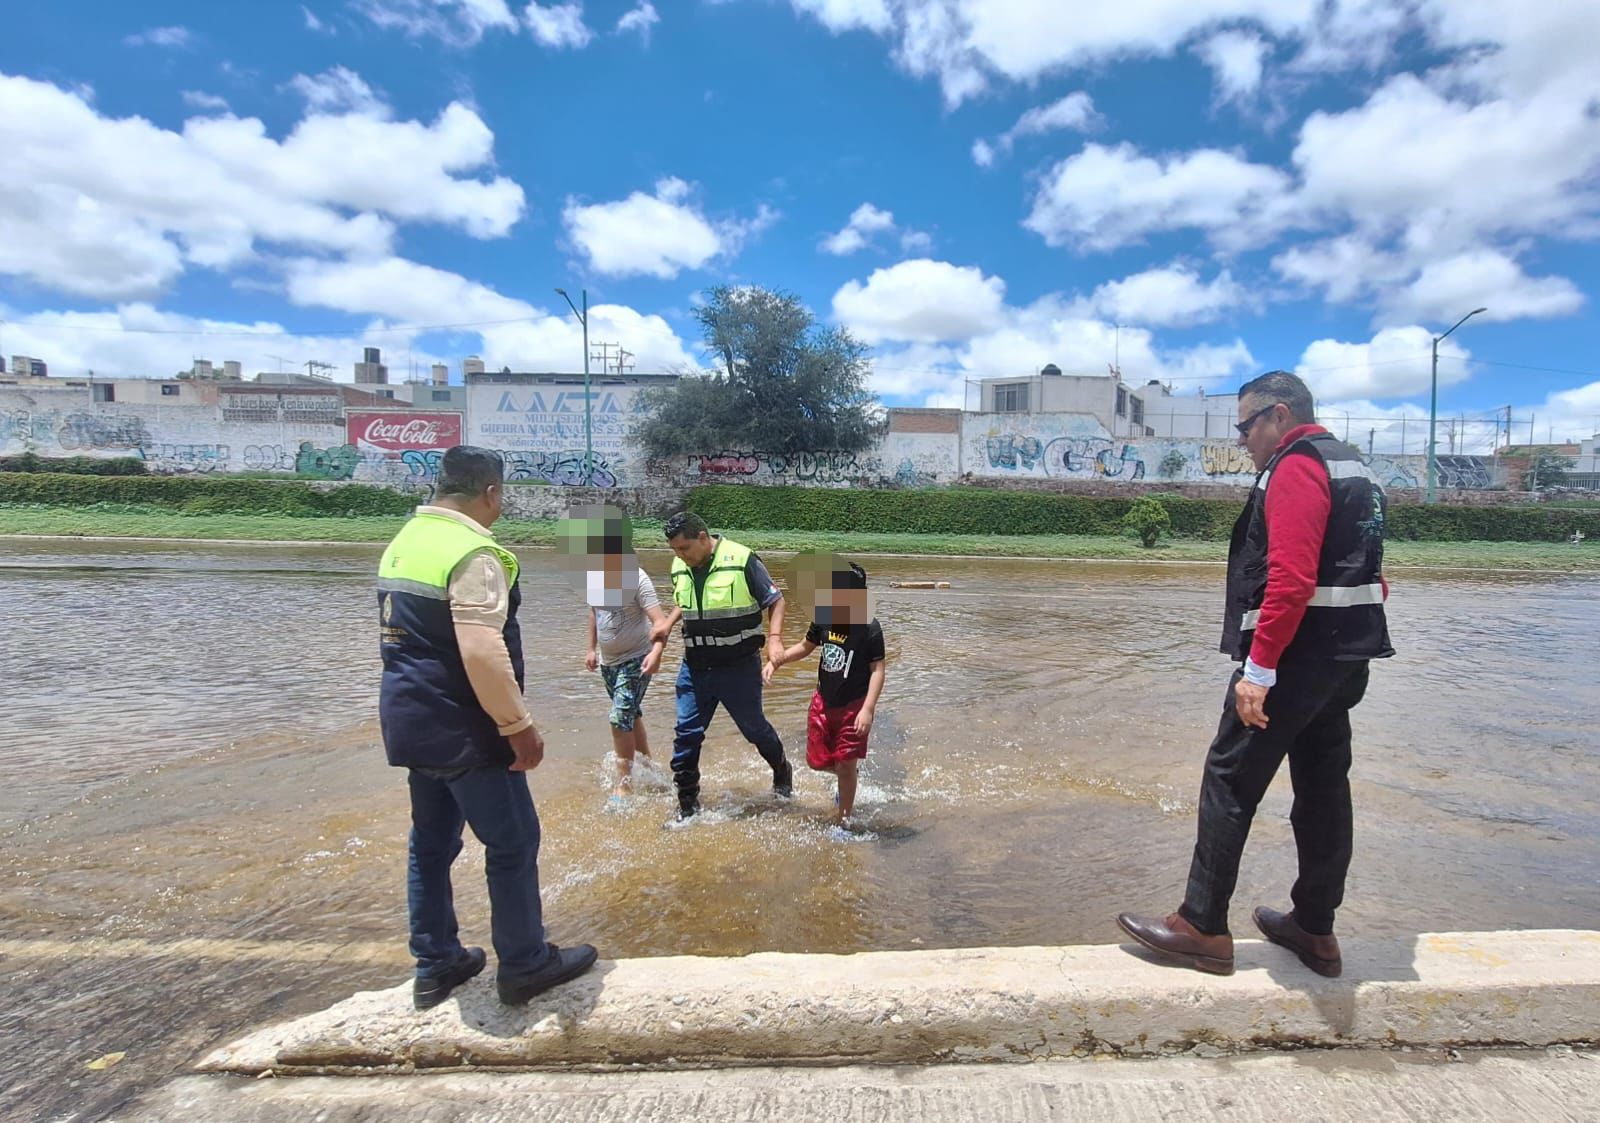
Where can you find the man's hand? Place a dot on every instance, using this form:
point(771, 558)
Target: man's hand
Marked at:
point(591, 659)
point(775, 650)
point(863, 722)
point(652, 662)
point(1251, 702)
point(660, 632)
point(529, 747)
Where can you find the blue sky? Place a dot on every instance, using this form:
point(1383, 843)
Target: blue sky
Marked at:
point(1204, 190)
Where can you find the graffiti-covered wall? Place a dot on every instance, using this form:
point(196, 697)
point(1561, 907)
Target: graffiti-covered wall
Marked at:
point(187, 439)
point(540, 431)
point(1076, 446)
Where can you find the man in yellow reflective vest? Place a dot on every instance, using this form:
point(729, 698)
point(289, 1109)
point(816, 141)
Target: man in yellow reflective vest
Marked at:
point(721, 592)
point(453, 716)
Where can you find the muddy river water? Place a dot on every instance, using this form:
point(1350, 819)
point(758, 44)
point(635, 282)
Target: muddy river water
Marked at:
point(198, 832)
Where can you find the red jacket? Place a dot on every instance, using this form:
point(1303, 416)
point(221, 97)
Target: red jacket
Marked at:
point(1297, 509)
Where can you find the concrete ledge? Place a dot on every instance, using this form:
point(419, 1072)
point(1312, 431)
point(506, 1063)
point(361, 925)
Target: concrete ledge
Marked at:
point(986, 1004)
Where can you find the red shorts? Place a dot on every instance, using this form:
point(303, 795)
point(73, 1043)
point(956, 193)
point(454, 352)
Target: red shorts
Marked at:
point(831, 734)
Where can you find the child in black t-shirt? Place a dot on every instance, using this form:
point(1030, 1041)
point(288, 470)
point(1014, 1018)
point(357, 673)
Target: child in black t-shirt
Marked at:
point(849, 680)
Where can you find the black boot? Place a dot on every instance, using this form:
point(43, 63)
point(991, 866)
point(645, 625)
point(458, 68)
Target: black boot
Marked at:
point(783, 781)
point(688, 803)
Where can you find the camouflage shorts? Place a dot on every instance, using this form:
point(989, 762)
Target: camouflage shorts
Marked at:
point(626, 685)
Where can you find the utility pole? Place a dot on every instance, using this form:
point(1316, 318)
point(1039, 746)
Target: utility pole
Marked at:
point(1433, 408)
point(588, 401)
point(1372, 435)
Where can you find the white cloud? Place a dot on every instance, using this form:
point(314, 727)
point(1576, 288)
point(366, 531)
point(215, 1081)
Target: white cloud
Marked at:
point(1171, 296)
point(641, 19)
point(1236, 59)
point(1075, 111)
point(1346, 268)
point(459, 23)
point(559, 25)
point(525, 337)
point(1439, 290)
point(137, 340)
point(1445, 290)
point(315, 24)
point(1050, 330)
point(1104, 197)
point(171, 38)
point(209, 103)
point(920, 301)
point(339, 90)
point(866, 221)
point(656, 235)
point(847, 15)
point(1395, 363)
point(211, 194)
point(965, 44)
point(1530, 165)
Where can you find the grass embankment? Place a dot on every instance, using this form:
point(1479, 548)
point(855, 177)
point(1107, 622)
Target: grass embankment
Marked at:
point(152, 522)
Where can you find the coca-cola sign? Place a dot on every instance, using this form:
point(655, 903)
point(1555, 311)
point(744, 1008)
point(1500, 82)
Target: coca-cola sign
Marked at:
point(399, 431)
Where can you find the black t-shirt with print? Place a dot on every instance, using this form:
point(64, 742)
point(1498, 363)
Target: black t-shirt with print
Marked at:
point(847, 657)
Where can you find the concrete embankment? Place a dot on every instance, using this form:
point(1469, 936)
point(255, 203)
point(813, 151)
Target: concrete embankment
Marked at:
point(987, 1004)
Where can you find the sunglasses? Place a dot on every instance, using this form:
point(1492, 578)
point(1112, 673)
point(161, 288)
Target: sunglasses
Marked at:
point(1244, 426)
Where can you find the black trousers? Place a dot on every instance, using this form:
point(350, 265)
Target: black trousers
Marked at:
point(1308, 714)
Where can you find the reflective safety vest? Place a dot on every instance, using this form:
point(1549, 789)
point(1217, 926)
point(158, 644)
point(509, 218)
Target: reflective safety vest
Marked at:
point(721, 617)
point(427, 708)
point(1345, 617)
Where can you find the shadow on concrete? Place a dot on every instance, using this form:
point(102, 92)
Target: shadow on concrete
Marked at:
point(568, 1005)
point(1386, 960)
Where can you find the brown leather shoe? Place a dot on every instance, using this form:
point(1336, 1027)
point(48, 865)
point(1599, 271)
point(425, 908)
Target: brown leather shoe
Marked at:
point(1177, 941)
point(1320, 953)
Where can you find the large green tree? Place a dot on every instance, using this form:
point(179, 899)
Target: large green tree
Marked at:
point(783, 383)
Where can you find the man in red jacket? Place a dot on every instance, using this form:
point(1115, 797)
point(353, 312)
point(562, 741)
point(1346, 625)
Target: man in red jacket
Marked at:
point(1304, 617)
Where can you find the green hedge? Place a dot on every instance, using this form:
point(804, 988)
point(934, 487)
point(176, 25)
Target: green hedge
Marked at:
point(207, 496)
point(75, 465)
point(986, 511)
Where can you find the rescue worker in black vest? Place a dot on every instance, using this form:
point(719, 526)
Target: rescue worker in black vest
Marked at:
point(720, 591)
point(1304, 616)
point(453, 715)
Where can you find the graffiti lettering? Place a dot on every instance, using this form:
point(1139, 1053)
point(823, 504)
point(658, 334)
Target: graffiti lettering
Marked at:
point(1465, 472)
point(563, 469)
point(825, 467)
point(1226, 460)
point(1080, 457)
point(85, 431)
point(423, 465)
point(268, 458)
point(187, 458)
point(326, 463)
point(1007, 450)
point(16, 425)
point(1392, 472)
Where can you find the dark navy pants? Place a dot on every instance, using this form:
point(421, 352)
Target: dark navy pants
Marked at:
point(736, 687)
point(496, 803)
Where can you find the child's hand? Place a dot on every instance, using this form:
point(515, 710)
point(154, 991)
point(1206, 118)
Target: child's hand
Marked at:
point(652, 662)
point(863, 722)
point(591, 659)
point(766, 673)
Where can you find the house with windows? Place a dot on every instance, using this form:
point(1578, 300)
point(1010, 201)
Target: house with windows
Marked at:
point(1125, 410)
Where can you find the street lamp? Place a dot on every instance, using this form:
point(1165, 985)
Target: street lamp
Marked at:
point(1433, 408)
point(588, 401)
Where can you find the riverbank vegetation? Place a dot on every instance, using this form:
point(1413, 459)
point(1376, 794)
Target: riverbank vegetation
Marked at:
point(133, 521)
